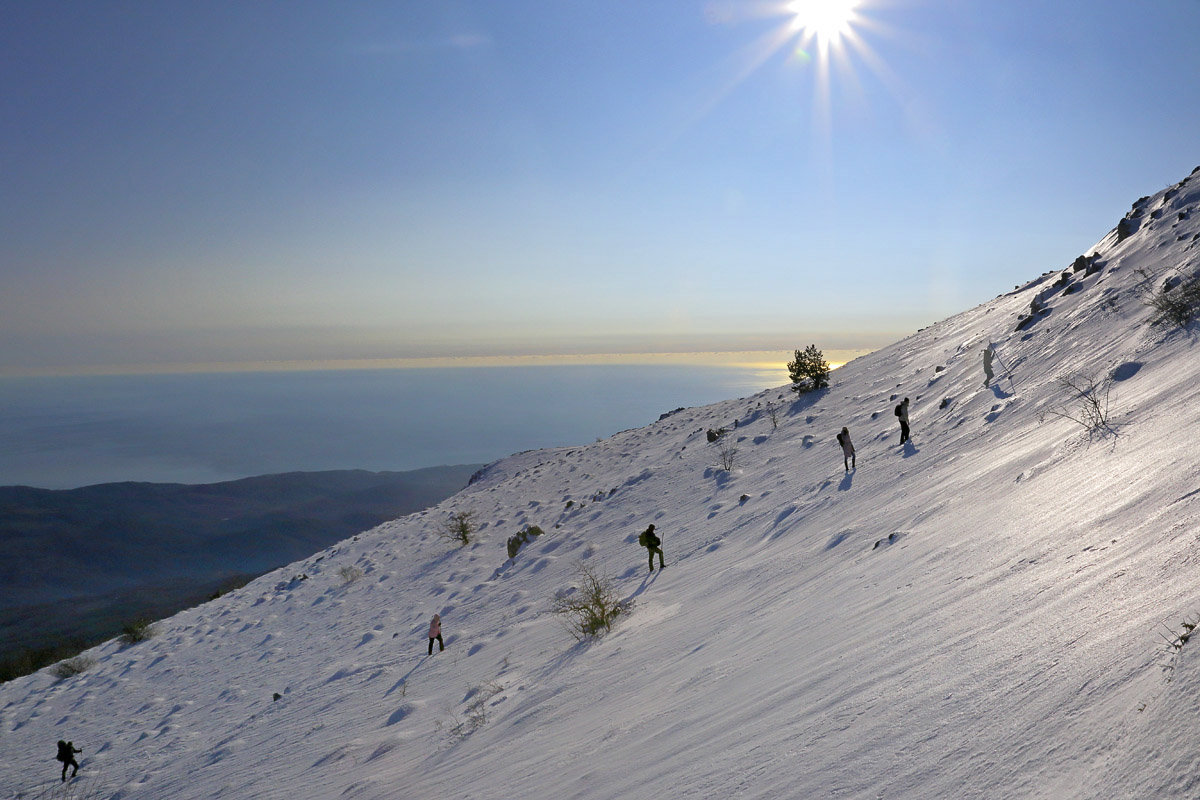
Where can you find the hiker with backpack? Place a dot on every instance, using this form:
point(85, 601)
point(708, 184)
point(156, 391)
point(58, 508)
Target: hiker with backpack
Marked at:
point(435, 632)
point(848, 458)
point(66, 754)
point(902, 413)
point(988, 353)
point(653, 544)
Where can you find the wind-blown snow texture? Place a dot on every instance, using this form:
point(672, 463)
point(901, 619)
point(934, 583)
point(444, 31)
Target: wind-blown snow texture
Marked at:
point(981, 613)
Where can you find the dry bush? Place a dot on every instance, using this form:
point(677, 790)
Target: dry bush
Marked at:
point(728, 454)
point(475, 715)
point(1088, 405)
point(349, 573)
point(72, 667)
point(137, 631)
point(1175, 304)
point(589, 610)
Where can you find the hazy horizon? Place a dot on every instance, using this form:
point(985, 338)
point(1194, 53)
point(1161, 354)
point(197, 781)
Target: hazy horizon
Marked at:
point(765, 360)
point(69, 431)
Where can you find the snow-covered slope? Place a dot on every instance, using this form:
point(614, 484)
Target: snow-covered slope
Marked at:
point(982, 612)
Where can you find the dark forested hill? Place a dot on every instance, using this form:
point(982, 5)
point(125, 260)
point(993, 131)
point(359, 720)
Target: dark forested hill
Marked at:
point(80, 562)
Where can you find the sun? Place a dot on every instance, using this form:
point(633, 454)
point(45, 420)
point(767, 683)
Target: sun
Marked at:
point(828, 40)
point(827, 21)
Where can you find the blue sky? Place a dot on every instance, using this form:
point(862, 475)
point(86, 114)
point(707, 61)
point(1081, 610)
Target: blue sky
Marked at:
point(229, 181)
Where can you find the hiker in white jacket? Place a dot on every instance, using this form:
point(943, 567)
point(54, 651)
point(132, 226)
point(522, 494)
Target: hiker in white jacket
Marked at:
point(847, 448)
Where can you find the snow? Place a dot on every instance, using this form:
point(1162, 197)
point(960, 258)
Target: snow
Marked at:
point(983, 612)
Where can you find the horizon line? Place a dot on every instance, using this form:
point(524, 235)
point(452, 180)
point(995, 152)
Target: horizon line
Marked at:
point(747, 359)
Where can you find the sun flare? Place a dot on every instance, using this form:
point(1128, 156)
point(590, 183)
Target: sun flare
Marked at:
point(824, 20)
point(825, 42)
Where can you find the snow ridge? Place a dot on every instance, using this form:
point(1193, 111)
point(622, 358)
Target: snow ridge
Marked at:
point(977, 613)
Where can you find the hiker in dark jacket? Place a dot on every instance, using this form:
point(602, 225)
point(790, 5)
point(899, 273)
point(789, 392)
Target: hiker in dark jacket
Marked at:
point(843, 439)
point(902, 413)
point(653, 544)
point(66, 754)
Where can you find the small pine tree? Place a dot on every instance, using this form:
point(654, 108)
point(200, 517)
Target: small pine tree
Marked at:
point(459, 528)
point(810, 370)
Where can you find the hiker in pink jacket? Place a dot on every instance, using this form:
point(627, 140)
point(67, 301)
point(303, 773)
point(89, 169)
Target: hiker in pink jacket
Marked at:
point(435, 632)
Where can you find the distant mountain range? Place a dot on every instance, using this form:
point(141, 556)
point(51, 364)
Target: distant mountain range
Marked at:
point(77, 564)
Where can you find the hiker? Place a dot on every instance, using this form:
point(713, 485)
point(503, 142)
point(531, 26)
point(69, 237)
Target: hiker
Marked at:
point(653, 545)
point(435, 632)
point(902, 413)
point(66, 754)
point(988, 353)
point(843, 439)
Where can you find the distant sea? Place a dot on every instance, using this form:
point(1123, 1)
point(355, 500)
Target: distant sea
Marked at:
point(64, 432)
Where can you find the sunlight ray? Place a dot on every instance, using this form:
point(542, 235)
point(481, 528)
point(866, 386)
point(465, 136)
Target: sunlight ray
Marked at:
point(744, 63)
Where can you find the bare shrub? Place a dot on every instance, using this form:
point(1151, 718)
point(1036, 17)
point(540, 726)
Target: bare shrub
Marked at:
point(349, 573)
point(773, 415)
point(475, 715)
point(1088, 403)
point(1175, 642)
point(589, 610)
point(728, 454)
point(72, 667)
point(137, 631)
point(1175, 303)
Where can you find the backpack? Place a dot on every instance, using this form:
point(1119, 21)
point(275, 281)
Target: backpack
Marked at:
point(897, 411)
point(642, 539)
point(839, 438)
